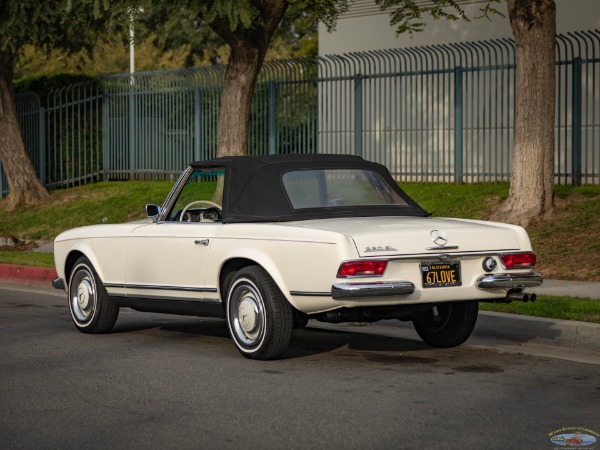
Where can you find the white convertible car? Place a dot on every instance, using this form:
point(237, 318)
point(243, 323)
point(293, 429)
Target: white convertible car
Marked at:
point(296, 237)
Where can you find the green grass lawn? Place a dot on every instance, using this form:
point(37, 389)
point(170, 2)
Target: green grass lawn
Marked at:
point(106, 202)
point(27, 258)
point(122, 201)
point(565, 308)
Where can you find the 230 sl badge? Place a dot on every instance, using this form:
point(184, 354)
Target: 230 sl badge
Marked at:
point(387, 248)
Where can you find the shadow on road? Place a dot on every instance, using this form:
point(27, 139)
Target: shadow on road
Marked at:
point(305, 342)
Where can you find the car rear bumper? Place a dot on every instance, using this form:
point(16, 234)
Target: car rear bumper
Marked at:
point(341, 291)
point(509, 280)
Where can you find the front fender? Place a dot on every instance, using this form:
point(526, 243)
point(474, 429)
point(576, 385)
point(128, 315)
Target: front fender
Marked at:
point(106, 255)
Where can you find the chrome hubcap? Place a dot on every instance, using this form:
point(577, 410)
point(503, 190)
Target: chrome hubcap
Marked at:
point(246, 313)
point(84, 293)
point(83, 297)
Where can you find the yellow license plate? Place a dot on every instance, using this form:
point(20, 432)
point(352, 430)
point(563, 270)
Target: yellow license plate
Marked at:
point(441, 274)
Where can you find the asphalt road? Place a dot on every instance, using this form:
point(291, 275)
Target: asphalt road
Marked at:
point(162, 381)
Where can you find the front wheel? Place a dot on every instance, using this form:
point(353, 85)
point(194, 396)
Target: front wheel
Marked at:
point(259, 317)
point(447, 325)
point(92, 309)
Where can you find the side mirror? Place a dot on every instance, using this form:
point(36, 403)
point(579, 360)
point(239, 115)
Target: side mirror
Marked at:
point(152, 211)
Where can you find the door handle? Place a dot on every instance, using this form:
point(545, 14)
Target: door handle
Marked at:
point(201, 242)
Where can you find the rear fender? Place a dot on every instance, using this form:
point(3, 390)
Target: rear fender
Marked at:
point(267, 263)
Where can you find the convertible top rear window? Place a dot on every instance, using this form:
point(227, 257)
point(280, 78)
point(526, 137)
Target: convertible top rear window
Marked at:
point(331, 188)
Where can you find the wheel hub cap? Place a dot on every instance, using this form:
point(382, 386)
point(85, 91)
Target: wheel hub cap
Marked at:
point(83, 297)
point(84, 292)
point(247, 314)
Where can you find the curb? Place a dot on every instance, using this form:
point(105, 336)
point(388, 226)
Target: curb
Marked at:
point(28, 275)
point(522, 330)
point(568, 334)
point(509, 332)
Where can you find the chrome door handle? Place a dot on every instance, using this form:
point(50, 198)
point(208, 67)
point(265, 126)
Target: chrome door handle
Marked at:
point(201, 242)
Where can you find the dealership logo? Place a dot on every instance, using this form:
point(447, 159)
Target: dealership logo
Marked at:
point(575, 437)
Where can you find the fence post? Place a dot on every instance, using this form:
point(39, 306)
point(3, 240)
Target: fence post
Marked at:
point(272, 117)
point(42, 145)
point(197, 122)
point(358, 123)
point(458, 124)
point(105, 134)
point(576, 125)
point(132, 132)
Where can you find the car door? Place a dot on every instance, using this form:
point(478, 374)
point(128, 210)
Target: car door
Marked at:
point(168, 260)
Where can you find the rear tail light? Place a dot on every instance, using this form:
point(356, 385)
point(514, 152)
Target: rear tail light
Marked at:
point(368, 268)
point(518, 260)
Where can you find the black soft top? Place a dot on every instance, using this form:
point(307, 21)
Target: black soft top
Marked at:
point(254, 192)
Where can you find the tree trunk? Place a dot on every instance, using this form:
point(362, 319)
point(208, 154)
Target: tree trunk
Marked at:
point(24, 185)
point(236, 100)
point(248, 49)
point(532, 177)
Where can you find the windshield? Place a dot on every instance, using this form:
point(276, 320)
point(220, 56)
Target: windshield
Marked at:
point(201, 194)
point(327, 188)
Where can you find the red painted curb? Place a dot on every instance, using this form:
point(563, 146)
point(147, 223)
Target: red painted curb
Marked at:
point(38, 276)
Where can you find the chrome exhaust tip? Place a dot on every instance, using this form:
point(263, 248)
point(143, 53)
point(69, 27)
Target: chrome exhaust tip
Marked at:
point(519, 297)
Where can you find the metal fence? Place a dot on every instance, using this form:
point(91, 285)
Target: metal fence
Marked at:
point(446, 112)
point(433, 113)
point(157, 122)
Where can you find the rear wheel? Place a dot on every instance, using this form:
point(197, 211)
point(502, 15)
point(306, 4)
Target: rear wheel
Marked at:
point(259, 317)
point(451, 326)
point(92, 309)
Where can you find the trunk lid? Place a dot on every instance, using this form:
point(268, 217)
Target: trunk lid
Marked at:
point(402, 236)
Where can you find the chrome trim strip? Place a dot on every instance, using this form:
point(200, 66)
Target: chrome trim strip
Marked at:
point(509, 280)
point(169, 297)
point(170, 288)
point(310, 294)
point(170, 200)
point(357, 290)
point(428, 256)
point(443, 247)
point(160, 288)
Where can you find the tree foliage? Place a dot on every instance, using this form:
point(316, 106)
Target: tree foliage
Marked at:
point(45, 24)
point(408, 15)
point(160, 47)
point(247, 27)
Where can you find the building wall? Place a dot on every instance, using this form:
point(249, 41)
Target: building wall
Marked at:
point(365, 27)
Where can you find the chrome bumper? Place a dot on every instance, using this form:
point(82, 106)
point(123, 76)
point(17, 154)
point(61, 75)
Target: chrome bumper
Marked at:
point(509, 280)
point(356, 290)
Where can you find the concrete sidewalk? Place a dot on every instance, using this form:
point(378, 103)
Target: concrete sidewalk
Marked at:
point(583, 289)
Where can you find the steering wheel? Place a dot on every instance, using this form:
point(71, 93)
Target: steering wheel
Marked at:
point(196, 203)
